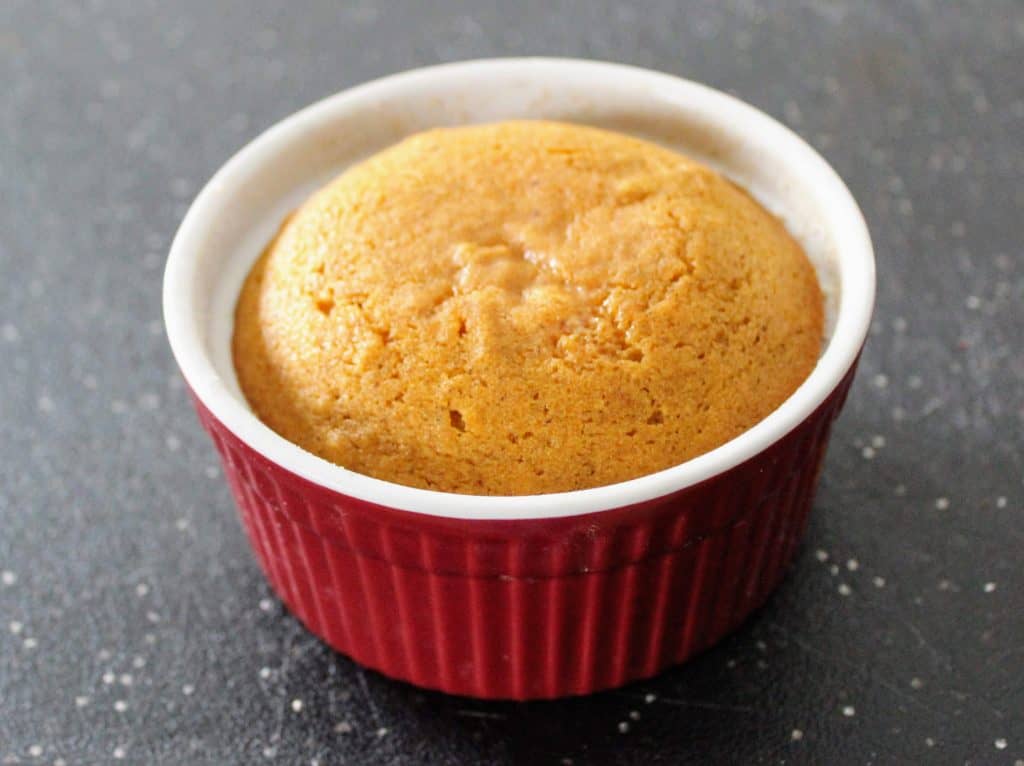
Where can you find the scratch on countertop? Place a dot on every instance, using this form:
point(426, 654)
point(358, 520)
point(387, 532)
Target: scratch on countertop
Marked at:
point(859, 669)
point(367, 696)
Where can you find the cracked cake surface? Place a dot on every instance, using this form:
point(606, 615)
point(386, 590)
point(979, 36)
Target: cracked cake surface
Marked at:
point(522, 308)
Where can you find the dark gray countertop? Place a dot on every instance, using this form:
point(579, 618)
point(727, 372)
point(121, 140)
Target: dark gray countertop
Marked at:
point(134, 623)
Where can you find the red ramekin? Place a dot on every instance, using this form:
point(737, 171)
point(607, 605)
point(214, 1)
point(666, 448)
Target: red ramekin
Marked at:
point(533, 596)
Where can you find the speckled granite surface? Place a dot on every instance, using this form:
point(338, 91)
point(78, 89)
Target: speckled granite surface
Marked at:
point(134, 624)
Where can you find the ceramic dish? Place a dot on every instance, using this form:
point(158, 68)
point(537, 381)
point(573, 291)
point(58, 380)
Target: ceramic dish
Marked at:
point(529, 596)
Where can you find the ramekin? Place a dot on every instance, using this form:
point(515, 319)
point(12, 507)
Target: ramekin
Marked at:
point(531, 596)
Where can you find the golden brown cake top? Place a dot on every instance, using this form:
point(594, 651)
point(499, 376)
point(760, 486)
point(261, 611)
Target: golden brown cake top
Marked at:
point(524, 307)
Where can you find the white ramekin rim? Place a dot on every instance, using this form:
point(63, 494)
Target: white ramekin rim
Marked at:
point(856, 299)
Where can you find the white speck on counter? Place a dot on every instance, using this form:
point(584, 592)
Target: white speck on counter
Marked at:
point(238, 122)
point(30, 643)
point(120, 706)
point(151, 260)
point(173, 442)
point(181, 524)
point(792, 112)
point(878, 441)
point(119, 753)
point(649, 698)
point(139, 662)
point(266, 38)
point(81, 701)
point(126, 679)
point(150, 638)
point(265, 673)
point(266, 604)
point(184, 92)
point(989, 587)
point(844, 589)
point(796, 735)
point(623, 727)
point(821, 555)
point(35, 750)
point(849, 711)
point(973, 302)
point(914, 382)
point(343, 727)
point(108, 678)
point(929, 742)
point(833, 569)
point(853, 565)
point(1000, 502)
point(900, 490)
point(634, 715)
point(152, 616)
point(45, 404)
point(110, 89)
point(296, 706)
point(916, 683)
point(59, 762)
point(16, 627)
point(942, 504)
point(1000, 744)
point(141, 589)
point(382, 732)
point(868, 453)
point(180, 187)
point(269, 751)
point(881, 380)
point(188, 690)
point(879, 582)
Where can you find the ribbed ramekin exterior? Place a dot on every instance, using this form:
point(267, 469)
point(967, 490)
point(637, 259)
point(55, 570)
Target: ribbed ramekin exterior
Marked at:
point(530, 609)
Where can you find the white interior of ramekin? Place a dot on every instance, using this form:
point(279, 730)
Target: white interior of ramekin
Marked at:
point(238, 211)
